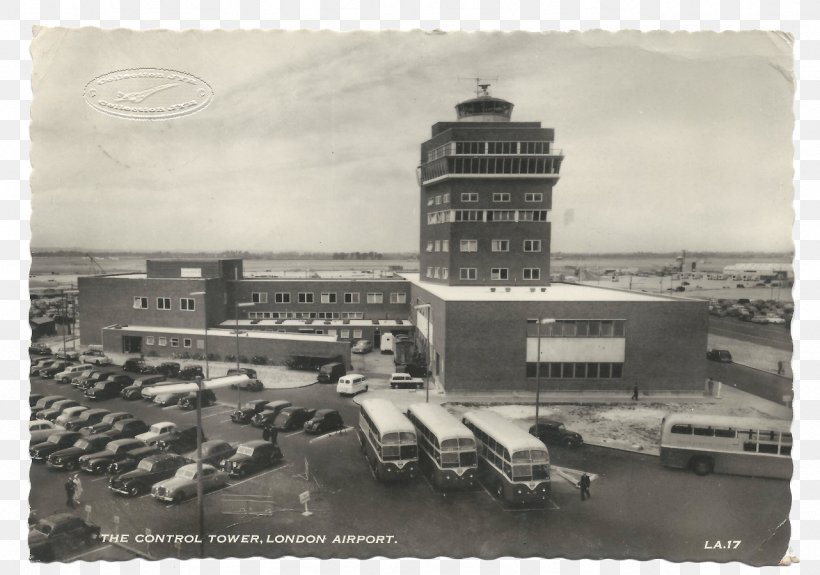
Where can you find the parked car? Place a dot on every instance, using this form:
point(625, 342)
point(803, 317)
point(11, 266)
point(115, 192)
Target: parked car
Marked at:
point(84, 384)
point(131, 460)
point(331, 372)
point(39, 425)
point(36, 366)
point(87, 417)
point(405, 381)
point(191, 371)
point(62, 530)
point(180, 440)
point(323, 421)
point(168, 369)
point(188, 401)
point(293, 417)
point(270, 412)
point(134, 390)
point(106, 423)
point(129, 428)
point(69, 457)
point(103, 390)
point(134, 365)
point(158, 431)
point(249, 371)
point(166, 398)
point(95, 357)
point(33, 398)
point(251, 456)
point(184, 483)
point(213, 452)
point(39, 349)
point(114, 451)
point(54, 369)
point(249, 385)
point(149, 471)
point(53, 412)
point(70, 373)
point(84, 376)
point(121, 379)
point(56, 441)
point(46, 402)
point(362, 346)
point(721, 355)
point(555, 433)
point(69, 414)
point(248, 410)
point(67, 354)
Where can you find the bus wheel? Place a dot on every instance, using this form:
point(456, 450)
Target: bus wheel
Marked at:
point(701, 466)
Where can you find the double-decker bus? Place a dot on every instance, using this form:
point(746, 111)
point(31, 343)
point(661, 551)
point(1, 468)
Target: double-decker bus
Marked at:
point(388, 440)
point(447, 449)
point(511, 462)
point(725, 444)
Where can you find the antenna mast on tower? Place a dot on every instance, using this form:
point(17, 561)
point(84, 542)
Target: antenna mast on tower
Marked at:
point(481, 85)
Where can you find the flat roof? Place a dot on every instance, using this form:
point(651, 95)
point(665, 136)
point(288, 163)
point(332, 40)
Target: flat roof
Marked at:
point(229, 323)
point(217, 332)
point(555, 292)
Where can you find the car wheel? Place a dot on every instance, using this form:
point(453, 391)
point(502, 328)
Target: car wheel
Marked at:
point(71, 466)
point(392, 386)
point(177, 499)
point(92, 537)
point(240, 473)
point(701, 466)
point(568, 443)
point(133, 492)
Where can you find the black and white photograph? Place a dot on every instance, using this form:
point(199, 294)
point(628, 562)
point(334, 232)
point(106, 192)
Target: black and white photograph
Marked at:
point(411, 294)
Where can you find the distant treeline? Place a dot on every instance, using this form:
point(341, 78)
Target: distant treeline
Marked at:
point(247, 255)
point(689, 255)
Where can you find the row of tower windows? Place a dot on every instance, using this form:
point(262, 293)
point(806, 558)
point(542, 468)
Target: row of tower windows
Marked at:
point(446, 216)
point(475, 148)
point(471, 274)
point(491, 166)
point(528, 246)
point(472, 197)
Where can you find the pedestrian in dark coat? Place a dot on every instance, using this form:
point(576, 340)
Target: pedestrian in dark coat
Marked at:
point(70, 486)
point(270, 433)
point(584, 485)
point(635, 393)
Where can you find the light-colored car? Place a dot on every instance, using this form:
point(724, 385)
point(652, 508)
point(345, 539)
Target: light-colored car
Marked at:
point(213, 452)
point(95, 357)
point(39, 425)
point(183, 485)
point(69, 414)
point(71, 372)
point(351, 384)
point(161, 430)
point(362, 346)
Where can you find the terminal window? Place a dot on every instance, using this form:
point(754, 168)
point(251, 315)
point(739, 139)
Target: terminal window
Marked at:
point(398, 297)
point(164, 303)
point(352, 297)
point(534, 197)
point(281, 297)
point(259, 297)
point(468, 245)
point(186, 304)
point(532, 245)
point(575, 370)
point(499, 274)
point(469, 197)
point(532, 273)
point(305, 297)
point(375, 298)
point(501, 245)
point(467, 273)
point(328, 297)
point(140, 302)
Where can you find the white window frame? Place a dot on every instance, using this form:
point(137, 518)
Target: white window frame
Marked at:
point(499, 274)
point(187, 342)
point(166, 303)
point(139, 300)
point(445, 273)
point(328, 297)
point(344, 334)
point(281, 297)
point(501, 245)
point(462, 272)
point(163, 341)
point(501, 197)
point(534, 197)
point(445, 198)
point(357, 334)
point(533, 244)
point(259, 297)
point(174, 342)
point(438, 200)
point(375, 298)
point(436, 272)
point(437, 247)
point(536, 276)
point(149, 340)
point(462, 244)
point(469, 197)
point(429, 271)
point(187, 304)
point(305, 297)
point(398, 297)
point(353, 298)
point(445, 245)
point(429, 246)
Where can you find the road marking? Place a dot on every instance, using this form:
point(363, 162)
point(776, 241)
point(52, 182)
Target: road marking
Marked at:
point(294, 433)
point(337, 432)
point(98, 479)
point(213, 414)
point(74, 557)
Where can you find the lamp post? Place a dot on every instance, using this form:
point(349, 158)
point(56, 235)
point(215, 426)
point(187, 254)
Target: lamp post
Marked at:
point(200, 500)
point(538, 367)
point(236, 307)
point(205, 312)
point(427, 351)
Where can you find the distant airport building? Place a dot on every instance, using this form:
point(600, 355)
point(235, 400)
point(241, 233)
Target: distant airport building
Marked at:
point(482, 308)
point(759, 272)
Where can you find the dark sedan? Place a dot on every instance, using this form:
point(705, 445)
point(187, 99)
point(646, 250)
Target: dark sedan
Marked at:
point(114, 451)
point(292, 418)
point(60, 531)
point(251, 456)
point(69, 458)
point(555, 433)
point(325, 420)
point(55, 442)
point(132, 459)
point(149, 471)
point(248, 410)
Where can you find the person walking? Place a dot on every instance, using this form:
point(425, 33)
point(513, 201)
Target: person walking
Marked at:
point(584, 485)
point(69, 492)
point(78, 488)
point(780, 367)
point(635, 393)
point(270, 433)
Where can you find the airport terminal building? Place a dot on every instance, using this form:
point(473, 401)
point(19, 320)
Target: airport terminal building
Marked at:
point(481, 308)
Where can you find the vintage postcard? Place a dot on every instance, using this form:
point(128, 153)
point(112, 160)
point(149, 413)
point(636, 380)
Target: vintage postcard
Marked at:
point(411, 295)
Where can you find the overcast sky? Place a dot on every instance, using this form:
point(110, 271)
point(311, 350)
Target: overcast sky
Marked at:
point(312, 139)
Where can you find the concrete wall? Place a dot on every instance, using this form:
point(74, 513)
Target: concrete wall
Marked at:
point(173, 268)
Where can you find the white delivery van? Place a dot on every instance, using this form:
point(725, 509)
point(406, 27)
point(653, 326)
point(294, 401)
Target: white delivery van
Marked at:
point(351, 384)
point(386, 344)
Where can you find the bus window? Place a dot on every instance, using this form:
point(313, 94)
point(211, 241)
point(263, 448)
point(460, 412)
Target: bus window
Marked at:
point(466, 443)
point(390, 452)
point(449, 459)
point(408, 452)
point(730, 433)
point(683, 429)
point(391, 438)
point(785, 450)
point(406, 437)
point(749, 446)
point(467, 459)
point(704, 431)
point(522, 472)
point(767, 448)
point(540, 471)
point(449, 445)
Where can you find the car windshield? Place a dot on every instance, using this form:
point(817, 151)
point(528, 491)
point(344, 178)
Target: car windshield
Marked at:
point(245, 450)
point(281, 419)
point(83, 444)
point(146, 465)
point(187, 473)
point(54, 438)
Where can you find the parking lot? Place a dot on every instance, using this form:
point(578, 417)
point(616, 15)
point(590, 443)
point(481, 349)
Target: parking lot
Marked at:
point(633, 497)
